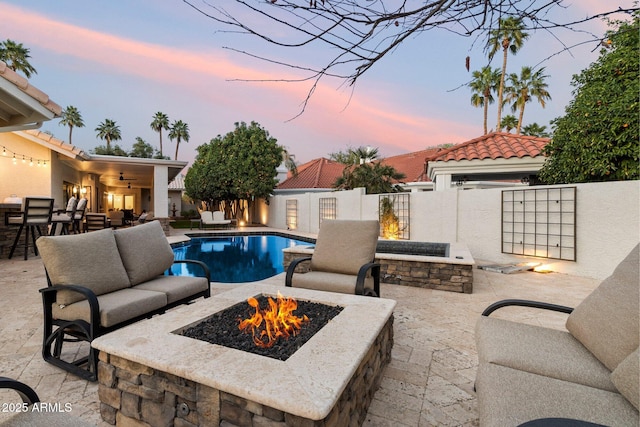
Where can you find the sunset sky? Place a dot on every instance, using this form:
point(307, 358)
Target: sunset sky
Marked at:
point(127, 60)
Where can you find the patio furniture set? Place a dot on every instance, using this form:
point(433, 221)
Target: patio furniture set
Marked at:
point(526, 373)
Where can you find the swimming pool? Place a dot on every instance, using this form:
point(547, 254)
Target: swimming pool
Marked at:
point(236, 259)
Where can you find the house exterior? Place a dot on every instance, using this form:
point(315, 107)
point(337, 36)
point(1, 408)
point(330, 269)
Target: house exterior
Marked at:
point(493, 160)
point(35, 163)
point(49, 166)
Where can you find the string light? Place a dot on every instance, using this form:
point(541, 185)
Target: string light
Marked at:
point(14, 157)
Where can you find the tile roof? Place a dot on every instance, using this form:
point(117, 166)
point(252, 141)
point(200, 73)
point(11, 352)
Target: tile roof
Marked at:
point(318, 173)
point(23, 84)
point(56, 144)
point(177, 183)
point(322, 173)
point(412, 164)
point(493, 146)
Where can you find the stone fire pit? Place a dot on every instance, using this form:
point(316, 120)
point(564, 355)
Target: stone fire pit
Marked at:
point(148, 372)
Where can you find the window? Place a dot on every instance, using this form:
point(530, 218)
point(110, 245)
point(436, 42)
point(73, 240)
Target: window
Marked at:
point(540, 222)
point(292, 214)
point(394, 216)
point(328, 208)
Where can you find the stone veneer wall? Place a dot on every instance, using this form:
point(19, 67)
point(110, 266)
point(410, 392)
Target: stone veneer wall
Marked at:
point(431, 275)
point(132, 394)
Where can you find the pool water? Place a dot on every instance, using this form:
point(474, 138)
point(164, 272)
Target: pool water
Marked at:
point(236, 259)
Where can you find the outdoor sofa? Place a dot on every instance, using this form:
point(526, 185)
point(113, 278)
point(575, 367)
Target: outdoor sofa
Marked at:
point(101, 281)
point(586, 374)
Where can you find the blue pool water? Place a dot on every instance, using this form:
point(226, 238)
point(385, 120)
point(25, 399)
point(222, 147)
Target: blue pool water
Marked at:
point(236, 259)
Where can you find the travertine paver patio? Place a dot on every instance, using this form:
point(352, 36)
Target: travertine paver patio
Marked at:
point(429, 381)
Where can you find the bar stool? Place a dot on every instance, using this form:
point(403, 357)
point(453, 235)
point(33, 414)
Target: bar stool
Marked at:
point(37, 213)
point(64, 218)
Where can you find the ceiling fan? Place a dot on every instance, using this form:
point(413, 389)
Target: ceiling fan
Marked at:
point(122, 178)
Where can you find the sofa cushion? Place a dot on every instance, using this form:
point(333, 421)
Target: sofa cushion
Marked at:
point(510, 397)
point(101, 267)
point(626, 377)
point(175, 287)
point(543, 351)
point(606, 322)
point(145, 251)
point(343, 246)
point(115, 307)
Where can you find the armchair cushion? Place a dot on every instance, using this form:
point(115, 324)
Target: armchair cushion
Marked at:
point(145, 251)
point(334, 253)
point(330, 282)
point(102, 269)
point(626, 377)
point(543, 351)
point(606, 322)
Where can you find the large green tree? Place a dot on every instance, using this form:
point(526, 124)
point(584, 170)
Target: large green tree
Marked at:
point(597, 138)
point(109, 131)
point(524, 88)
point(160, 122)
point(180, 132)
point(16, 56)
point(71, 117)
point(484, 83)
point(141, 149)
point(236, 169)
point(508, 37)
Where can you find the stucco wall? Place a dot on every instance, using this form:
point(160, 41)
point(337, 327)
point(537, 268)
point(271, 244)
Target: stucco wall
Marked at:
point(607, 222)
point(20, 178)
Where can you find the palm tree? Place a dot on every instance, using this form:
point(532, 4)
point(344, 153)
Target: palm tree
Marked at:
point(509, 36)
point(71, 117)
point(355, 156)
point(534, 129)
point(180, 132)
point(375, 177)
point(484, 83)
point(16, 56)
point(522, 88)
point(289, 161)
point(160, 121)
point(509, 122)
point(109, 131)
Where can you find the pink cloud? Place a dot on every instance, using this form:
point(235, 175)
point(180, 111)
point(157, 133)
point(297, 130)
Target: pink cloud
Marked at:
point(366, 120)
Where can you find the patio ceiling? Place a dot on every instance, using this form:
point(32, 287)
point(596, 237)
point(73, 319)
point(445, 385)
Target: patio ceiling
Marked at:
point(137, 172)
point(22, 106)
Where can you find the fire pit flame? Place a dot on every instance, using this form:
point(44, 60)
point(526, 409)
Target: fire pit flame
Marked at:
point(267, 326)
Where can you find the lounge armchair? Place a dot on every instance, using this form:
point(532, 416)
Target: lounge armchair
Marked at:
point(29, 417)
point(342, 261)
point(116, 218)
point(587, 373)
point(35, 216)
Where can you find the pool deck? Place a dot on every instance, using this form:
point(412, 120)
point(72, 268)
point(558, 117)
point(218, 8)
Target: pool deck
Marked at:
point(428, 382)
